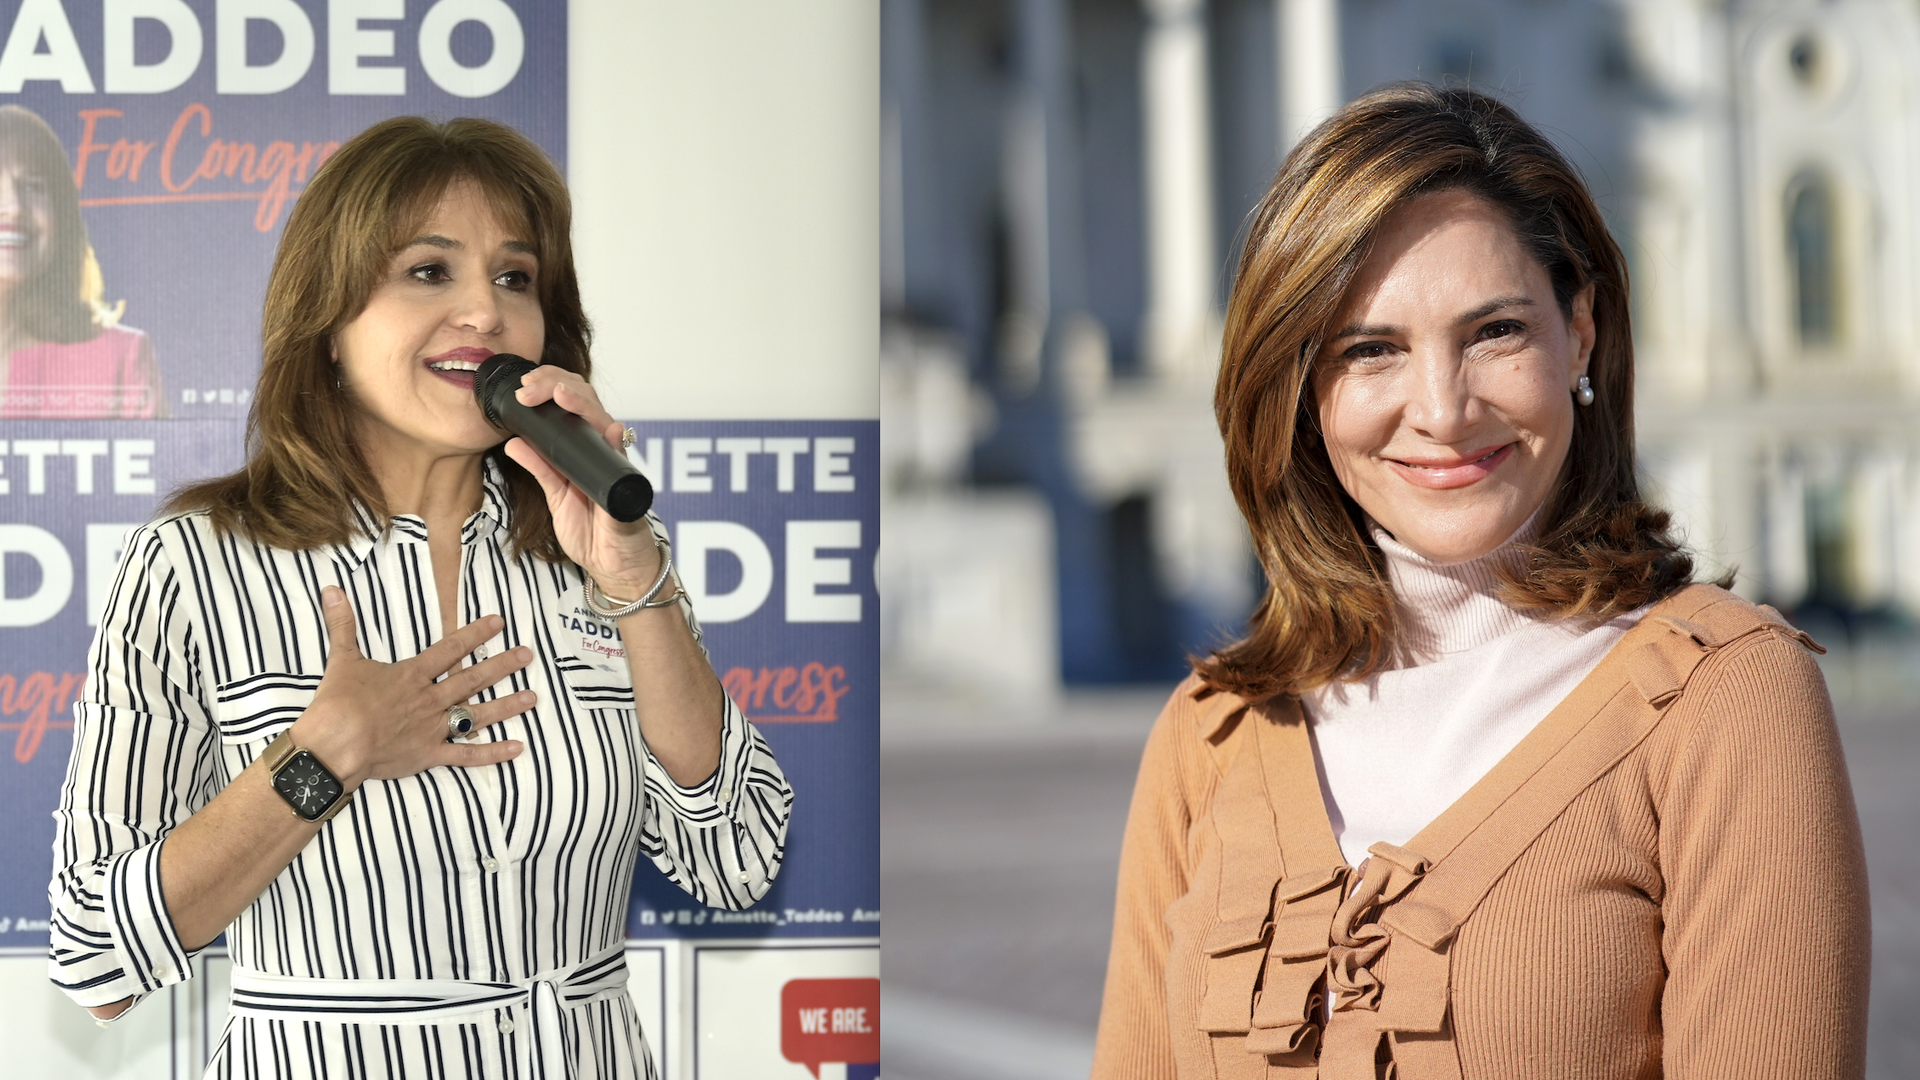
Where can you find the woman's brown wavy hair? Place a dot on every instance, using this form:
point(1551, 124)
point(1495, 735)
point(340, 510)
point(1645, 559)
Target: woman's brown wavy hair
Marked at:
point(1328, 610)
point(304, 469)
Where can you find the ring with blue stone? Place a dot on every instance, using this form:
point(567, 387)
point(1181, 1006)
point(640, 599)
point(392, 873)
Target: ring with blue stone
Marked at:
point(459, 722)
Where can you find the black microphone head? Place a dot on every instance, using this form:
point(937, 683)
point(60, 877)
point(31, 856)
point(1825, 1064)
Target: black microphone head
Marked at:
point(499, 373)
point(629, 497)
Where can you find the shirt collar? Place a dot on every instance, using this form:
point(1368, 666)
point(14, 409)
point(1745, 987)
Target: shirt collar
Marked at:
point(494, 518)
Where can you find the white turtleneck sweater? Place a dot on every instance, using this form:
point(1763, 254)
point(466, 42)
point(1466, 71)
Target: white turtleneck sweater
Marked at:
point(1474, 677)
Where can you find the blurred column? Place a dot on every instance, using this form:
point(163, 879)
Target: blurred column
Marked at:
point(1731, 361)
point(1907, 536)
point(1044, 165)
point(1197, 530)
point(1874, 506)
point(1021, 333)
point(1310, 76)
point(1181, 325)
point(909, 188)
point(968, 598)
point(1042, 327)
point(1789, 574)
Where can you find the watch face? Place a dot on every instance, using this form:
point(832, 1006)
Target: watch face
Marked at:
point(307, 784)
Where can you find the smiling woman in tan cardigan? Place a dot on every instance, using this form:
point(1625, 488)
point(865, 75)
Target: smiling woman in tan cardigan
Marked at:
point(1489, 789)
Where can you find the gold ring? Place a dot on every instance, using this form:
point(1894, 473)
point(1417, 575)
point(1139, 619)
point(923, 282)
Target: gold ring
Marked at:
point(626, 438)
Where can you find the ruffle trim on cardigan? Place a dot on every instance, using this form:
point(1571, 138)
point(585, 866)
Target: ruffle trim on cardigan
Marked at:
point(1281, 942)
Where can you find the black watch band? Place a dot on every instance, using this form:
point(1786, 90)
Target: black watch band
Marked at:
point(304, 781)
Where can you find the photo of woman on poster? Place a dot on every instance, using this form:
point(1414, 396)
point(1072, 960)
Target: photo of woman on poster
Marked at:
point(63, 354)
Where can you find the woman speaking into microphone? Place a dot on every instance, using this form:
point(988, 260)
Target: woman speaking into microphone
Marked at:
point(335, 709)
point(1489, 789)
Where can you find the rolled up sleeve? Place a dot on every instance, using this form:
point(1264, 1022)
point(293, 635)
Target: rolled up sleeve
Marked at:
point(721, 840)
point(142, 763)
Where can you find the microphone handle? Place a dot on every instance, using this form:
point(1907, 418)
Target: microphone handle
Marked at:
point(582, 456)
point(564, 439)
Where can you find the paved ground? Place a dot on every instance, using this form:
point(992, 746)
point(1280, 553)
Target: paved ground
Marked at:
point(1883, 757)
point(1000, 835)
point(999, 840)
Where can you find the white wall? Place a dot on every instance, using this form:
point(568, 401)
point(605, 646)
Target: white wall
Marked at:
point(724, 159)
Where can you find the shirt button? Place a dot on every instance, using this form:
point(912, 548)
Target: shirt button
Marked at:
point(506, 1025)
point(726, 794)
point(160, 971)
point(745, 877)
point(490, 864)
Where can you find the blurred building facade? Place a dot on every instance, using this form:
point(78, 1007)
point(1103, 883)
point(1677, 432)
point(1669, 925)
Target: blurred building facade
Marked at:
point(1065, 187)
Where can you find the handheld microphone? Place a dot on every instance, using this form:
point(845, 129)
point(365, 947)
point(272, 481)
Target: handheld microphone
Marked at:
point(564, 439)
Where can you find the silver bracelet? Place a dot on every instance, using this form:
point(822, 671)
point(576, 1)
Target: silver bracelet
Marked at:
point(599, 602)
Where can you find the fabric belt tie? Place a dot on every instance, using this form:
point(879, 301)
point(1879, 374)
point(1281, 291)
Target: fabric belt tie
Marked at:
point(543, 1052)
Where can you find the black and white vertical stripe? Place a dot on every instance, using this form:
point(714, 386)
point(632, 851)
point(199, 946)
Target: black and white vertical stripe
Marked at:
point(210, 646)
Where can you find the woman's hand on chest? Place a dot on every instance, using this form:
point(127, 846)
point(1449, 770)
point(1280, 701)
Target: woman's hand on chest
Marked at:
point(370, 720)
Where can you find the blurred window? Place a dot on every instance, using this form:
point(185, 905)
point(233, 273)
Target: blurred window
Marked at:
point(1143, 614)
point(1810, 251)
point(1830, 545)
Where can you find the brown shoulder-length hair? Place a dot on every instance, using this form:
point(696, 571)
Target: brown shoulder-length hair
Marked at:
point(304, 469)
point(1328, 609)
point(59, 302)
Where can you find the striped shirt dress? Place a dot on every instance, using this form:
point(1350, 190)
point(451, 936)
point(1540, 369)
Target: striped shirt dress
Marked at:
point(461, 922)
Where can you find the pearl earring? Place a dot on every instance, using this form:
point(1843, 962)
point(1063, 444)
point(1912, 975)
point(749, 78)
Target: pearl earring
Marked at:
point(1584, 395)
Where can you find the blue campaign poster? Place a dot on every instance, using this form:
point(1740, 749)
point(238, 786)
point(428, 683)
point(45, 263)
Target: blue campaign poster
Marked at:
point(69, 492)
point(189, 128)
point(776, 527)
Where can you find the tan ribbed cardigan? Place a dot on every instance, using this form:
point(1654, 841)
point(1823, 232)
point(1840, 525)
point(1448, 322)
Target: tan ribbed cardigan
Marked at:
point(1663, 879)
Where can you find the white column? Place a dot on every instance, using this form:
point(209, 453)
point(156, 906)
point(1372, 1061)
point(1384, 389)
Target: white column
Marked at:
point(1310, 76)
point(1735, 496)
point(1906, 553)
point(680, 116)
point(1205, 551)
point(1874, 505)
point(1788, 574)
point(1023, 190)
point(1181, 267)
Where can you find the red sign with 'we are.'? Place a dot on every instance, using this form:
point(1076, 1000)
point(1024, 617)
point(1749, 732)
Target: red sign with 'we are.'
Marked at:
point(830, 1020)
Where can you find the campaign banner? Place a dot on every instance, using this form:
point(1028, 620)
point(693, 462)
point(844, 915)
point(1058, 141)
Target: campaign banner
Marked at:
point(70, 491)
point(775, 527)
point(150, 152)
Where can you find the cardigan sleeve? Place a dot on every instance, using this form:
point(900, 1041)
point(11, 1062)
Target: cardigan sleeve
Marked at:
point(1765, 908)
point(1134, 1040)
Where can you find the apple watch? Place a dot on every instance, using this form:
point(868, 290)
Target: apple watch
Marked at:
point(308, 785)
